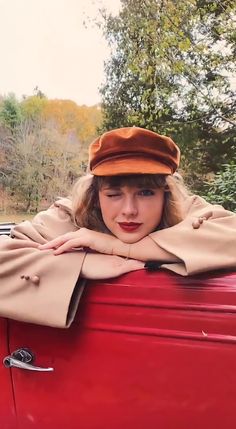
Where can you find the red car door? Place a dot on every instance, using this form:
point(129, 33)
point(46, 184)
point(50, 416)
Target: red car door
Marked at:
point(148, 350)
point(7, 406)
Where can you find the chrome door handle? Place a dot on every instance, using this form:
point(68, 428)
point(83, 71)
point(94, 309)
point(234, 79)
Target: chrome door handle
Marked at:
point(22, 359)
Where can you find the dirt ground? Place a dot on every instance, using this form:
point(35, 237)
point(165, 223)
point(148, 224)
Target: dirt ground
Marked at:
point(15, 217)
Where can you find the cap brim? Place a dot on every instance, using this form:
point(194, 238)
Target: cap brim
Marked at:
point(118, 167)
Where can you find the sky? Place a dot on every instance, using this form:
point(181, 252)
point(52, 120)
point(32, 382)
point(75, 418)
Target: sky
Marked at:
point(44, 44)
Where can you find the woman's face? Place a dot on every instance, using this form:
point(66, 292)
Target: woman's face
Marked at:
point(129, 212)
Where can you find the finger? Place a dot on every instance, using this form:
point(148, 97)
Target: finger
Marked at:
point(53, 243)
point(68, 245)
point(48, 245)
point(132, 265)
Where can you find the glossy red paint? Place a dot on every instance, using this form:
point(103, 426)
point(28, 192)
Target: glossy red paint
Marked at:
point(7, 406)
point(147, 350)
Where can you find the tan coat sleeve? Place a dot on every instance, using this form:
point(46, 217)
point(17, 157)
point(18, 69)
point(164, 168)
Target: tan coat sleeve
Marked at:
point(209, 247)
point(48, 296)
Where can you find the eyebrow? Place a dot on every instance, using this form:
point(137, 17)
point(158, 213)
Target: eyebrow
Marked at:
point(116, 187)
point(107, 188)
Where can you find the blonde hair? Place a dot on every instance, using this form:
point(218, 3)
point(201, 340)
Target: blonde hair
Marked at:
point(85, 203)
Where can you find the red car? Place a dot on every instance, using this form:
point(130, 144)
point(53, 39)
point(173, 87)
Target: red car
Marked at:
point(146, 350)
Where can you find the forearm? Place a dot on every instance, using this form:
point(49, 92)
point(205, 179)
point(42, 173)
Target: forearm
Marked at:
point(144, 250)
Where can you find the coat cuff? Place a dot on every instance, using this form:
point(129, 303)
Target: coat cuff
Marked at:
point(53, 299)
point(208, 248)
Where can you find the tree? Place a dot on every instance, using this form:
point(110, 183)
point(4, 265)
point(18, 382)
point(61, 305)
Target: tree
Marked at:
point(170, 71)
point(222, 189)
point(33, 107)
point(10, 113)
point(43, 148)
point(39, 164)
point(71, 118)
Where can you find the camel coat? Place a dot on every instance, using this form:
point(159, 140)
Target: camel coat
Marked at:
point(38, 287)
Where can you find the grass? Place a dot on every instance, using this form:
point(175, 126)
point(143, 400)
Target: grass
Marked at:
point(15, 217)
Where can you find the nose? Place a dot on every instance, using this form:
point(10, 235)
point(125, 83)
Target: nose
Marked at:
point(129, 208)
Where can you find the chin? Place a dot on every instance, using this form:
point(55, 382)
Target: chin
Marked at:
point(130, 239)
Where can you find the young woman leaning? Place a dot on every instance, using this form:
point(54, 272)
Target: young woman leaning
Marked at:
point(131, 210)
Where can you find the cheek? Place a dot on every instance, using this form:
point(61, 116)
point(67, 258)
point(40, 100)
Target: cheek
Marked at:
point(103, 205)
point(106, 207)
point(154, 212)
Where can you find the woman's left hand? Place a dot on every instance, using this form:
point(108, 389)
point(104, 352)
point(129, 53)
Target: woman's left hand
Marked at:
point(83, 238)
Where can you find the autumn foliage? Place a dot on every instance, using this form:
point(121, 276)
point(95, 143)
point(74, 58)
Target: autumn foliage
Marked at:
point(43, 149)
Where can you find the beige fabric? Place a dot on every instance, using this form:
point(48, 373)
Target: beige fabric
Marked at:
point(46, 303)
point(211, 246)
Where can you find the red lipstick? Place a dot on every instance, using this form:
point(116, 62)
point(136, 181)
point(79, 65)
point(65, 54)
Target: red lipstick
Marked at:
point(129, 226)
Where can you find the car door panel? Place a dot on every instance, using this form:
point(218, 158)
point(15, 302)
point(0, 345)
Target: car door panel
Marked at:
point(7, 405)
point(145, 350)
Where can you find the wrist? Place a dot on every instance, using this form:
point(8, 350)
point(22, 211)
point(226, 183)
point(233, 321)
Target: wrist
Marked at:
point(121, 249)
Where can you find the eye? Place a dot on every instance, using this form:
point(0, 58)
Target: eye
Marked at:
point(146, 192)
point(113, 195)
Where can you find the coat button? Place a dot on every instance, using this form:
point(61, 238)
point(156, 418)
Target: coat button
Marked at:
point(35, 280)
point(196, 224)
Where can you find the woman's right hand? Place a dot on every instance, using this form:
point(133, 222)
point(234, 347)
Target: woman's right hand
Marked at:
point(97, 266)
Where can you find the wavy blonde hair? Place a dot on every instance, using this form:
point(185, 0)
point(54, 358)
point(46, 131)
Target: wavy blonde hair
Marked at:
point(86, 211)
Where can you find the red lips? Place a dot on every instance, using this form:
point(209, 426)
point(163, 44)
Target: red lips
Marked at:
point(129, 226)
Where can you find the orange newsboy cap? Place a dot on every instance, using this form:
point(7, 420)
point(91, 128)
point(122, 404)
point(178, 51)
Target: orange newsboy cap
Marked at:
point(133, 150)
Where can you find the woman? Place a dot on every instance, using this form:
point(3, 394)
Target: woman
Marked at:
point(130, 209)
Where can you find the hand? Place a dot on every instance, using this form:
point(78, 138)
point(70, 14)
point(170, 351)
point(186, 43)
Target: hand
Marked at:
point(96, 266)
point(102, 243)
